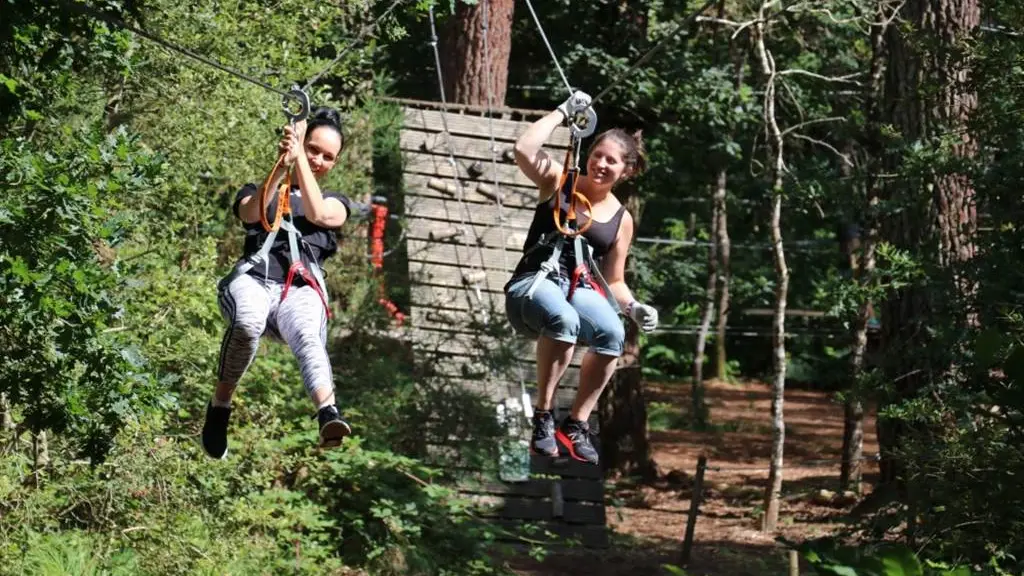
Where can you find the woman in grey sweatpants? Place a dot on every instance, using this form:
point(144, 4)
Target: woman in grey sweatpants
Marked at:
point(275, 297)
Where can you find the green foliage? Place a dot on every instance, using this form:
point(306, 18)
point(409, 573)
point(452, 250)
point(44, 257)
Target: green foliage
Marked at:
point(62, 210)
point(828, 557)
point(109, 257)
point(157, 506)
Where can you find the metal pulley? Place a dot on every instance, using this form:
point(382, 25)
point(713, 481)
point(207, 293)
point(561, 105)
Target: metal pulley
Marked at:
point(295, 98)
point(583, 123)
point(582, 118)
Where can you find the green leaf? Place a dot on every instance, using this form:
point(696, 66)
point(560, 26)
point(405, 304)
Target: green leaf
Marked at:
point(11, 83)
point(900, 561)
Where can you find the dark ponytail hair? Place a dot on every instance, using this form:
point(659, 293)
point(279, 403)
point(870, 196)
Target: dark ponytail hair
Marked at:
point(635, 155)
point(324, 116)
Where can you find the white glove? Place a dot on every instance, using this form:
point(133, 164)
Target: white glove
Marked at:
point(578, 102)
point(645, 316)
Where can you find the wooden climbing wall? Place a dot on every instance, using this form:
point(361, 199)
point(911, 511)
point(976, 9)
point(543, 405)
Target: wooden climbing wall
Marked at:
point(462, 249)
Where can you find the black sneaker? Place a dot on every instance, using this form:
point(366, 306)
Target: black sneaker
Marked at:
point(543, 441)
point(215, 431)
point(332, 427)
point(574, 435)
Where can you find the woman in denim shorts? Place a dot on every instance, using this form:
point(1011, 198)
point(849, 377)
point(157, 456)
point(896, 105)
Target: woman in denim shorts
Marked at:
point(550, 315)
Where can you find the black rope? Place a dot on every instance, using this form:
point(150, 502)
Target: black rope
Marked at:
point(647, 56)
point(877, 457)
point(117, 22)
point(357, 40)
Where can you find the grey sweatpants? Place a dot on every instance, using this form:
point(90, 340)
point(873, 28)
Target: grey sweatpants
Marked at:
point(253, 310)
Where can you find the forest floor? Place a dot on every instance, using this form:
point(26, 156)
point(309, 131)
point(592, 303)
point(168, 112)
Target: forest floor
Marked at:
point(649, 520)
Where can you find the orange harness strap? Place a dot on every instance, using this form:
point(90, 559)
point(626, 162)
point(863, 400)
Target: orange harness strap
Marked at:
point(284, 205)
point(568, 228)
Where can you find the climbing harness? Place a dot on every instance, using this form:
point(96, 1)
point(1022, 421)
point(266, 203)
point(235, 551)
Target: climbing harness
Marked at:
point(311, 274)
point(582, 120)
point(585, 270)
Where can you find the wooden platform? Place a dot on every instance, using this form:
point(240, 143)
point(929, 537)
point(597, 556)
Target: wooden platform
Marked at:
point(466, 223)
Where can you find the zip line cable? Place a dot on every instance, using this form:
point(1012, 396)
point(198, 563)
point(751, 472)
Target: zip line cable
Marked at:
point(644, 58)
point(647, 56)
point(548, 44)
point(119, 23)
point(463, 210)
point(357, 40)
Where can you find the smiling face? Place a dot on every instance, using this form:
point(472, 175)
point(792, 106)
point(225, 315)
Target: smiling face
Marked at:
point(323, 145)
point(607, 164)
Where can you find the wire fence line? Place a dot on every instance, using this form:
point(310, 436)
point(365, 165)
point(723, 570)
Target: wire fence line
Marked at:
point(876, 457)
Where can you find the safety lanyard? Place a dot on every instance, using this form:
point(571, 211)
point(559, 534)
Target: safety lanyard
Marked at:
point(566, 192)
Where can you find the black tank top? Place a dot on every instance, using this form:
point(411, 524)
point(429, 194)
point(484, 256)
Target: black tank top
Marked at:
point(601, 236)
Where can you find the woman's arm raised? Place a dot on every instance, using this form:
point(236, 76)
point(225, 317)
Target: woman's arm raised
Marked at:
point(534, 162)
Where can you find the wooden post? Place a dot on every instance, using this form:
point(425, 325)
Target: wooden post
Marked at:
point(695, 497)
point(794, 563)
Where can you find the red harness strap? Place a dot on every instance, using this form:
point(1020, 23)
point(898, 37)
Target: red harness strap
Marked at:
point(310, 280)
point(380, 220)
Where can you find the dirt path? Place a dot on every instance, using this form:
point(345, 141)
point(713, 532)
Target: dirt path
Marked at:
point(649, 520)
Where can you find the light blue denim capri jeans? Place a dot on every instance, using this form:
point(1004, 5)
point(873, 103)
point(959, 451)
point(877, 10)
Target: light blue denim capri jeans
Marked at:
point(589, 319)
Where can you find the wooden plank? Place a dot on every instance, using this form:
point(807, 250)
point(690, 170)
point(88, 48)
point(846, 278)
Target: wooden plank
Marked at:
point(436, 211)
point(525, 348)
point(475, 375)
point(564, 466)
point(439, 166)
point(454, 277)
point(508, 130)
point(572, 489)
point(488, 235)
point(453, 301)
point(473, 256)
point(514, 508)
point(431, 142)
point(474, 192)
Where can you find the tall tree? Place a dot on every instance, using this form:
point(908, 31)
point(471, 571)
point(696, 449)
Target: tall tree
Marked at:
point(622, 408)
point(927, 98)
point(777, 168)
point(862, 261)
point(478, 41)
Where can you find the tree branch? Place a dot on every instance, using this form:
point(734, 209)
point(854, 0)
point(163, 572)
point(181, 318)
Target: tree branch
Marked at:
point(846, 79)
point(812, 121)
point(823, 144)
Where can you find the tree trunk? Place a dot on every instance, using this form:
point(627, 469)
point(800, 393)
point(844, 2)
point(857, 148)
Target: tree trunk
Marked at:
point(851, 469)
point(478, 41)
point(40, 450)
point(699, 408)
point(6, 421)
point(622, 408)
point(775, 140)
point(724, 247)
point(926, 94)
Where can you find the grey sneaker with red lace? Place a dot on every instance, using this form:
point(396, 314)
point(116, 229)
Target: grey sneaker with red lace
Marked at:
point(543, 440)
point(574, 436)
